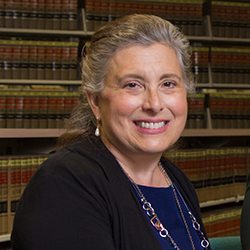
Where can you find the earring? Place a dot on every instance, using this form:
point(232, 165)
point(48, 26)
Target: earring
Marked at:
point(97, 130)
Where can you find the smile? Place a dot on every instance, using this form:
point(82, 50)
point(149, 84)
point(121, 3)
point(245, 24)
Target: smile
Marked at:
point(150, 125)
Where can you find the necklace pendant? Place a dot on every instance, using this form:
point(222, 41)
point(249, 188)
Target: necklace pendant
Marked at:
point(156, 223)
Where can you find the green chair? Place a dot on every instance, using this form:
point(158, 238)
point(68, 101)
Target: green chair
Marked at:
point(225, 243)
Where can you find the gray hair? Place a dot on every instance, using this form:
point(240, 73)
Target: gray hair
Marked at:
point(135, 29)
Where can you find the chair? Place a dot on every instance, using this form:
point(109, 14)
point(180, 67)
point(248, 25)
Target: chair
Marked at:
point(225, 243)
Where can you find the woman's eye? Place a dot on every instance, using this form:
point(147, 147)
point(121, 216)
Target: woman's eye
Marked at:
point(168, 84)
point(131, 85)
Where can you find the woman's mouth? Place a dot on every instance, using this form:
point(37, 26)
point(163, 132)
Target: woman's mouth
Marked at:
point(151, 125)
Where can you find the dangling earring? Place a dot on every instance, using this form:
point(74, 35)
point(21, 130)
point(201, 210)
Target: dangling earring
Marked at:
point(97, 130)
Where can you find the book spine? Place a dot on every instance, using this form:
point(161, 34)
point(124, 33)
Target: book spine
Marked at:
point(34, 110)
point(43, 110)
point(2, 110)
point(4, 195)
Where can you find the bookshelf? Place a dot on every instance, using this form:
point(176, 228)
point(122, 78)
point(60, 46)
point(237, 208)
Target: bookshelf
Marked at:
point(36, 134)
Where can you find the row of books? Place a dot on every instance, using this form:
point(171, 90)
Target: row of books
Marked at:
point(230, 19)
point(230, 110)
point(215, 173)
point(200, 58)
point(39, 14)
point(15, 172)
point(222, 222)
point(185, 14)
point(22, 59)
point(196, 111)
point(230, 65)
point(34, 109)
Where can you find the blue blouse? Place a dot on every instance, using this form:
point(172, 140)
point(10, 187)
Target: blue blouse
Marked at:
point(164, 204)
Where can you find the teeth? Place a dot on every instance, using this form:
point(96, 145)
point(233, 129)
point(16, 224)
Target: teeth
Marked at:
point(150, 125)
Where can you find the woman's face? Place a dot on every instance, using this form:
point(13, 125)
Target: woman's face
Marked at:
point(143, 105)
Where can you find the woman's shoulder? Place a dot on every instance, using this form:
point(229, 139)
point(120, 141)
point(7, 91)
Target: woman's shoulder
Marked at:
point(81, 159)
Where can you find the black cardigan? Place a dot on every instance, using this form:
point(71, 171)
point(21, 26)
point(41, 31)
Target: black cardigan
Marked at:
point(81, 199)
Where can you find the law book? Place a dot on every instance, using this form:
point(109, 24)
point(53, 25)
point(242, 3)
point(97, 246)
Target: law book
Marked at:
point(26, 109)
point(59, 110)
point(73, 54)
point(2, 109)
point(57, 14)
point(34, 108)
point(5, 202)
point(40, 14)
point(89, 13)
point(56, 68)
point(10, 109)
point(24, 63)
point(18, 109)
point(73, 13)
point(52, 108)
point(43, 109)
point(16, 59)
point(49, 52)
point(65, 50)
point(33, 59)
point(24, 173)
point(12, 168)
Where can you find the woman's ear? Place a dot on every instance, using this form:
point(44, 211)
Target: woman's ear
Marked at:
point(93, 101)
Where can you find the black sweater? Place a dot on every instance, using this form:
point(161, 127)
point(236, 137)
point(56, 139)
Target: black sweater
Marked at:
point(80, 199)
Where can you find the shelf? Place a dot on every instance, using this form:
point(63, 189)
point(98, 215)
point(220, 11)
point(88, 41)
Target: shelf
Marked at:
point(42, 32)
point(30, 133)
point(40, 82)
point(4, 238)
point(215, 132)
point(238, 198)
point(55, 132)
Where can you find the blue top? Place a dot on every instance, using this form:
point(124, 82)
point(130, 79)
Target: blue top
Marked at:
point(164, 203)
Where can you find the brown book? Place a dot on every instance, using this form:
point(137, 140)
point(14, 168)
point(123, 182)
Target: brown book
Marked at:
point(56, 20)
point(52, 110)
point(10, 109)
point(68, 104)
point(73, 60)
point(4, 194)
point(18, 109)
point(89, 13)
point(43, 110)
point(72, 14)
point(40, 14)
point(3, 109)
point(34, 109)
point(59, 110)
point(24, 172)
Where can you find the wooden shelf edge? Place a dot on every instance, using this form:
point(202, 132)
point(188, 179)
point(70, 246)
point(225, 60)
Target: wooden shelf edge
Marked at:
point(30, 133)
point(4, 238)
point(215, 132)
point(46, 32)
point(55, 132)
point(42, 82)
point(236, 199)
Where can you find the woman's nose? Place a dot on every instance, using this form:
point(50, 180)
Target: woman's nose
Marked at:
point(153, 101)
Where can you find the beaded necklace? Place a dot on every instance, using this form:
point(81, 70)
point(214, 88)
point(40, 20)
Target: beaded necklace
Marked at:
point(155, 221)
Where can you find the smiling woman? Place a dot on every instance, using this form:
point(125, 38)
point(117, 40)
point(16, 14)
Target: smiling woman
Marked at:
point(109, 187)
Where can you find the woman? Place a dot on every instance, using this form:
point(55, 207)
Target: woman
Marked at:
point(109, 187)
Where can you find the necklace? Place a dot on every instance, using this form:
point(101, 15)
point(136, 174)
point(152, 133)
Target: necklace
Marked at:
point(155, 221)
